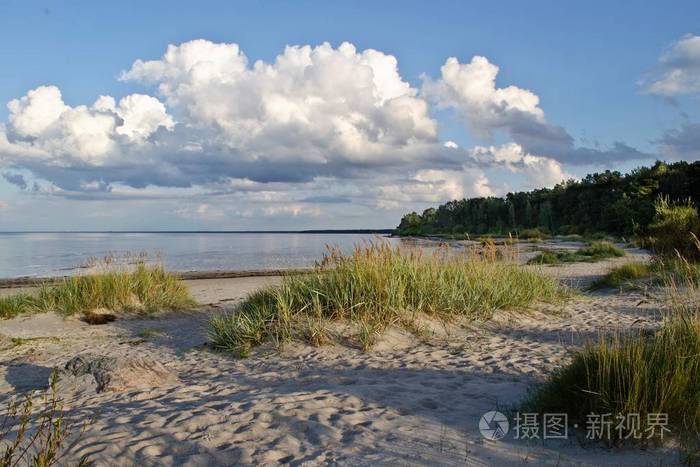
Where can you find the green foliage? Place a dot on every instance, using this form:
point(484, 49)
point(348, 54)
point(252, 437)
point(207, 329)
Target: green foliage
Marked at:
point(533, 234)
point(375, 287)
point(626, 374)
point(12, 305)
point(639, 373)
point(601, 250)
point(675, 227)
point(623, 274)
point(144, 288)
point(609, 202)
point(595, 251)
point(546, 257)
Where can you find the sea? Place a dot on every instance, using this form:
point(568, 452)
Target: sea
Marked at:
point(40, 254)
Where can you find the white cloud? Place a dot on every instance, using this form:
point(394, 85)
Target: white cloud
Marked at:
point(312, 112)
point(471, 89)
point(540, 171)
point(315, 127)
point(32, 114)
point(678, 69)
point(432, 186)
point(142, 116)
point(40, 123)
point(314, 103)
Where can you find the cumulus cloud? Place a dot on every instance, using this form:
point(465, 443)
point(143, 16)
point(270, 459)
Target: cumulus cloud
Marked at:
point(313, 112)
point(314, 126)
point(540, 171)
point(433, 186)
point(471, 90)
point(40, 124)
point(678, 69)
point(312, 103)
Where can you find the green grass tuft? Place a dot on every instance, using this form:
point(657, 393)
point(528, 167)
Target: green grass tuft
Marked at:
point(533, 234)
point(595, 251)
point(546, 257)
point(632, 374)
point(659, 271)
point(601, 250)
point(374, 287)
point(13, 305)
point(640, 373)
point(143, 288)
point(621, 275)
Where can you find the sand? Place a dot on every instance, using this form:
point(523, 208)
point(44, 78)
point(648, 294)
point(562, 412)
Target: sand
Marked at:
point(403, 403)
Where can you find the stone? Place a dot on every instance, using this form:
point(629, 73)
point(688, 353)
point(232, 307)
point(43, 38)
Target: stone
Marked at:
point(107, 373)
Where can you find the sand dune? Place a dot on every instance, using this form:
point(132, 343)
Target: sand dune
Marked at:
point(405, 402)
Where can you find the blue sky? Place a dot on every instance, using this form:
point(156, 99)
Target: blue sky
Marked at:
point(584, 61)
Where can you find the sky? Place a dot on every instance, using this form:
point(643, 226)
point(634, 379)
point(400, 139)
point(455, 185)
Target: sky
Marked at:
point(305, 115)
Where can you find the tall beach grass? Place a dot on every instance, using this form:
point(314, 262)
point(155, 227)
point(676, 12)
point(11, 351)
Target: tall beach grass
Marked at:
point(377, 286)
point(141, 287)
point(645, 372)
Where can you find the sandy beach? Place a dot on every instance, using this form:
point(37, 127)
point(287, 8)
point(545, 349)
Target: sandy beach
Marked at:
point(406, 402)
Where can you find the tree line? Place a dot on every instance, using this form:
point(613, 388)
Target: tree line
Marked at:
point(607, 202)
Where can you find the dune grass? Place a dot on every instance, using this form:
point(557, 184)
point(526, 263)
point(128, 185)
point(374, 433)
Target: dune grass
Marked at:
point(637, 373)
point(15, 304)
point(142, 288)
point(632, 374)
point(533, 234)
point(376, 286)
point(595, 251)
point(659, 271)
point(621, 275)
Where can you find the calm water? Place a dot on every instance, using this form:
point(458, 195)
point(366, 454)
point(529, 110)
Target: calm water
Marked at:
point(48, 254)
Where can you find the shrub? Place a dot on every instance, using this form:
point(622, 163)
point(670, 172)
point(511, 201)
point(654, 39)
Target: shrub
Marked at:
point(675, 228)
point(533, 234)
point(377, 286)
